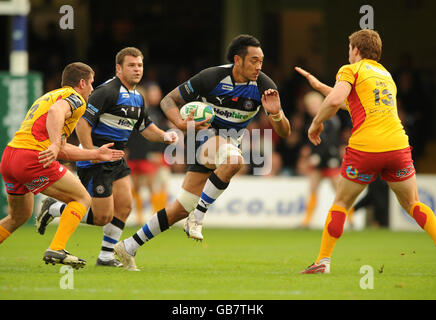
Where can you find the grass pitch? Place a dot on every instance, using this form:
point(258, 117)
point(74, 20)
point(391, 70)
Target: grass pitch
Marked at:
point(229, 265)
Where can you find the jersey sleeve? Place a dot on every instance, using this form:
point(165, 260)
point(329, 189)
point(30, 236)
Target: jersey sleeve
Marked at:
point(98, 102)
point(144, 120)
point(199, 85)
point(346, 73)
point(74, 101)
point(264, 83)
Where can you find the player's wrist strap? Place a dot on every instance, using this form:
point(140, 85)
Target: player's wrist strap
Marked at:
point(277, 117)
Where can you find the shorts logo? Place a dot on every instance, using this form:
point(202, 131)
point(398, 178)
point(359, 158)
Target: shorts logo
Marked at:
point(10, 186)
point(37, 183)
point(409, 170)
point(353, 174)
point(99, 189)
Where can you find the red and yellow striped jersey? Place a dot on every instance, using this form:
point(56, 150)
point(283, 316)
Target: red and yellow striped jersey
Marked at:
point(373, 108)
point(33, 133)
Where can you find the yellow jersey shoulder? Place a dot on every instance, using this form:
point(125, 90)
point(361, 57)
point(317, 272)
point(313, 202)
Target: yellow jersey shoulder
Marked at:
point(348, 72)
point(70, 95)
point(33, 133)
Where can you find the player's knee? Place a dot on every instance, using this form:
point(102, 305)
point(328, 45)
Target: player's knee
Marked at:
point(336, 226)
point(230, 156)
point(84, 199)
point(102, 220)
point(102, 215)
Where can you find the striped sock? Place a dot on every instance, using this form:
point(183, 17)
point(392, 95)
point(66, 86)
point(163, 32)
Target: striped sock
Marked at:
point(111, 235)
point(158, 223)
point(213, 188)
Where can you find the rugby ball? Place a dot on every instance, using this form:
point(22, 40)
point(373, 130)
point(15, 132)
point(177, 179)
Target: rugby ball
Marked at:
point(202, 112)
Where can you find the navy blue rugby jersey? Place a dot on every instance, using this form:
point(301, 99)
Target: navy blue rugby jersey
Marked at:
point(113, 112)
point(235, 104)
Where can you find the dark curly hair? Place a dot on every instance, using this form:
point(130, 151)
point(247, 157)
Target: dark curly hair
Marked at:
point(239, 45)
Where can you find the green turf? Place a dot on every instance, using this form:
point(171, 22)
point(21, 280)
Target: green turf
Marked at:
point(229, 264)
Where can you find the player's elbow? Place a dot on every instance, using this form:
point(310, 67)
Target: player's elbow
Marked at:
point(333, 105)
point(336, 102)
point(64, 154)
point(54, 113)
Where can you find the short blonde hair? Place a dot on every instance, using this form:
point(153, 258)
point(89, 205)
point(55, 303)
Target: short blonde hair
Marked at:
point(368, 42)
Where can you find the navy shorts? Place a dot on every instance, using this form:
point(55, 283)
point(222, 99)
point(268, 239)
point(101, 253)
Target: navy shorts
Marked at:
point(99, 178)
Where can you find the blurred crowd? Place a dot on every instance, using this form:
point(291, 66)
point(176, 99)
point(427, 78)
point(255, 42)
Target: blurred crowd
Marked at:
point(290, 156)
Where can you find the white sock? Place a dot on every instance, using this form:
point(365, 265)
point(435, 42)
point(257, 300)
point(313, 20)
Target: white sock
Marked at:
point(213, 188)
point(111, 235)
point(56, 209)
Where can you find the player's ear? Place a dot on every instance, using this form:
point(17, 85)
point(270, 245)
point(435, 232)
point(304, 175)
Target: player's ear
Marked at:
point(237, 59)
point(118, 68)
point(82, 83)
point(356, 51)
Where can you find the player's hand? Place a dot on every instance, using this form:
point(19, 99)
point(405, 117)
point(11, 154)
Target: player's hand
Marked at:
point(104, 153)
point(313, 81)
point(271, 101)
point(314, 133)
point(48, 156)
point(198, 125)
point(170, 137)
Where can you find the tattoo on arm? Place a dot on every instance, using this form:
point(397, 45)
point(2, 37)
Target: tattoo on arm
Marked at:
point(172, 100)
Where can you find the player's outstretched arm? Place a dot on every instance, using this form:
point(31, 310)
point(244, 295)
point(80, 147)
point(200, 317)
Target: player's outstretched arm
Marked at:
point(314, 82)
point(317, 85)
point(271, 103)
point(155, 134)
point(71, 152)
